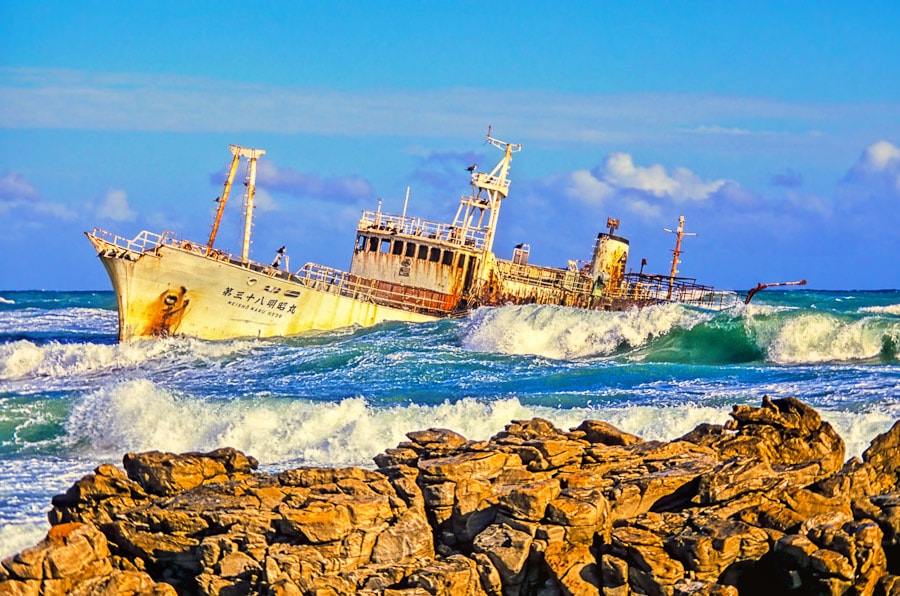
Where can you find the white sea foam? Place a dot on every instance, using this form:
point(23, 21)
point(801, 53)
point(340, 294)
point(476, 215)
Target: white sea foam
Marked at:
point(565, 333)
point(815, 338)
point(859, 428)
point(890, 309)
point(140, 416)
point(25, 360)
point(6, 300)
point(25, 489)
point(65, 320)
point(16, 537)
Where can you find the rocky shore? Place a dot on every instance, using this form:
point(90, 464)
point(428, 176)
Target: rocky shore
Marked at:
point(763, 505)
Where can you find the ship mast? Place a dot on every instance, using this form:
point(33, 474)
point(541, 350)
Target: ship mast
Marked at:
point(680, 233)
point(252, 155)
point(488, 190)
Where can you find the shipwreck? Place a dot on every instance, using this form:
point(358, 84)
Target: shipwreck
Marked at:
point(402, 268)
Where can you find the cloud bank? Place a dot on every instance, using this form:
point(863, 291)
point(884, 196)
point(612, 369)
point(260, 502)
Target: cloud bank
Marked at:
point(70, 99)
point(642, 189)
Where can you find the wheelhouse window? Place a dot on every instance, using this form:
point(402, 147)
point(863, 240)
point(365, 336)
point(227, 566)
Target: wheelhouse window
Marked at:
point(385, 246)
point(361, 243)
point(410, 249)
point(423, 252)
point(398, 247)
point(448, 258)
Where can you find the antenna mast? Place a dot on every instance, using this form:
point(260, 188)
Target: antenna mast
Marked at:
point(677, 252)
point(252, 155)
point(488, 190)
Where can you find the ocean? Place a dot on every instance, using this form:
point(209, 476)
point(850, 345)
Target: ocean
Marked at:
point(71, 397)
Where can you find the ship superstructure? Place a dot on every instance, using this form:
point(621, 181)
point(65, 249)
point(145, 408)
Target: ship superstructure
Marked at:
point(402, 268)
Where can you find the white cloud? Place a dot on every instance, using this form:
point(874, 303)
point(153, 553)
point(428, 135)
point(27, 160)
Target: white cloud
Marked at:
point(264, 201)
point(875, 177)
point(584, 186)
point(115, 206)
point(682, 185)
point(641, 188)
point(18, 194)
point(880, 157)
point(13, 185)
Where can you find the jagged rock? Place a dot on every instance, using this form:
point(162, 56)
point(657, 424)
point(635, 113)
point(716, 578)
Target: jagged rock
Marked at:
point(507, 549)
point(409, 538)
point(762, 504)
point(650, 568)
point(455, 576)
point(787, 431)
point(97, 497)
point(596, 431)
point(833, 552)
point(167, 473)
point(75, 559)
point(703, 588)
point(436, 440)
point(713, 548)
point(883, 456)
point(529, 501)
point(469, 465)
point(574, 568)
point(528, 430)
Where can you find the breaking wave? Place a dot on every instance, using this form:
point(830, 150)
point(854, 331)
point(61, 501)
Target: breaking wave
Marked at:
point(41, 367)
point(675, 333)
point(140, 415)
point(563, 333)
point(890, 309)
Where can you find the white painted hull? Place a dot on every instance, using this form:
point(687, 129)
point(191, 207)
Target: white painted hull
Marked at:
point(172, 291)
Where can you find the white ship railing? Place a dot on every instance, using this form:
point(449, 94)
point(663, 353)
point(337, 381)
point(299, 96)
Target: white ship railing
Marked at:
point(487, 181)
point(547, 277)
point(143, 241)
point(342, 283)
point(415, 226)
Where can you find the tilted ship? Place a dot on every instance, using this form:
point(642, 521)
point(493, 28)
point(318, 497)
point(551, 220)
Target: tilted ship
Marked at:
point(403, 269)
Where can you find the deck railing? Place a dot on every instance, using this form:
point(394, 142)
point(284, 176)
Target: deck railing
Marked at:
point(650, 288)
point(547, 277)
point(342, 283)
point(415, 226)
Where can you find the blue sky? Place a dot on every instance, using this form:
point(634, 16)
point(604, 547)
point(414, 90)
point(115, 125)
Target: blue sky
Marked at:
point(774, 128)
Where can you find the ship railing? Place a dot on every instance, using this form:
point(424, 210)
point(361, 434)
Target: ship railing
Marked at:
point(343, 283)
point(484, 180)
point(140, 243)
point(659, 288)
point(548, 277)
point(415, 226)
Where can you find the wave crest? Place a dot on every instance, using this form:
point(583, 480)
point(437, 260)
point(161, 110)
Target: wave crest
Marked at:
point(566, 333)
point(817, 338)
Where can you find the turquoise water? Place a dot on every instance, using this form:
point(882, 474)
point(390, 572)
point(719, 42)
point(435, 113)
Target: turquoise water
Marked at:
point(72, 397)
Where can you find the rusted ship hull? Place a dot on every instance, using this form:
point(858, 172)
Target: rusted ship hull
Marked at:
point(177, 290)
